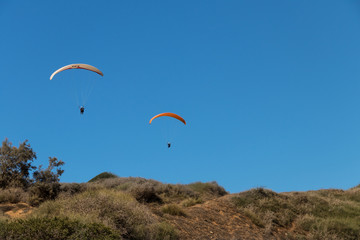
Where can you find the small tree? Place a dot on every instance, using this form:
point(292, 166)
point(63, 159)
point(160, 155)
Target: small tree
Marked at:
point(16, 168)
point(15, 165)
point(46, 181)
point(47, 175)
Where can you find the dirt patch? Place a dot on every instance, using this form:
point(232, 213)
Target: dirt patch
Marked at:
point(17, 210)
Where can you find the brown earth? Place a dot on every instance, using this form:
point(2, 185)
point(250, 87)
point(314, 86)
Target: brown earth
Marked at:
point(15, 210)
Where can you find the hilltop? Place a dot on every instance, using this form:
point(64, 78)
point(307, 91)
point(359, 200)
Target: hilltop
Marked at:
point(111, 207)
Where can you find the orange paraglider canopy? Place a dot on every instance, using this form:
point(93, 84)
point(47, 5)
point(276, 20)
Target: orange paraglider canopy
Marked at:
point(168, 115)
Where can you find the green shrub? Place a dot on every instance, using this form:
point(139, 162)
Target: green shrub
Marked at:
point(104, 175)
point(40, 192)
point(209, 188)
point(151, 191)
point(324, 214)
point(146, 190)
point(176, 192)
point(145, 193)
point(250, 197)
point(114, 209)
point(72, 188)
point(335, 228)
point(353, 194)
point(55, 229)
point(191, 202)
point(173, 209)
point(165, 231)
point(13, 195)
point(252, 214)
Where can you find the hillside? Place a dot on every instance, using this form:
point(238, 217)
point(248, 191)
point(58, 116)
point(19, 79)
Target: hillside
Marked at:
point(137, 208)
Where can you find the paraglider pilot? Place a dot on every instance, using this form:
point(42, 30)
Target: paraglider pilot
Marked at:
point(82, 109)
point(169, 144)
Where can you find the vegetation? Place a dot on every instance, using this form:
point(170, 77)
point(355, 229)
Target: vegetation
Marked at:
point(13, 195)
point(103, 175)
point(137, 208)
point(210, 189)
point(16, 165)
point(173, 209)
point(151, 191)
point(191, 202)
point(16, 183)
point(54, 228)
point(324, 214)
point(112, 207)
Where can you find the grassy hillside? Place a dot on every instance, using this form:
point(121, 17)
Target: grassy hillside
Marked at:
point(111, 207)
point(323, 214)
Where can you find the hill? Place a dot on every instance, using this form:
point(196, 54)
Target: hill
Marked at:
point(138, 208)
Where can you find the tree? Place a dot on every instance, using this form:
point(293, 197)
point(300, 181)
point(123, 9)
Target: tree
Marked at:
point(48, 175)
point(46, 181)
point(16, 165)
point(16, 168)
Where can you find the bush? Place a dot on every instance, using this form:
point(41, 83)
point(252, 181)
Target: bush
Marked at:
point(146, 190)
point(151, 191)
point(173, 209)
point(13, 195)
point(209, 188)
point(40, 192)
point(324, 214)
point(70, 189)
point(104, 175)
point(191, 202)
point(145, 193)
point(165, 232)
point(117, 210)
point(250, 197)
point(55, 229)
point(176, 192)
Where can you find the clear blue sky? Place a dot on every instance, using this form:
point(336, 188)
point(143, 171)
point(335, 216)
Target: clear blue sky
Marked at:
point(270, 89)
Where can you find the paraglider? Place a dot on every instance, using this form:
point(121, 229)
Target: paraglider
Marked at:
point(77, 66)
point(84, 83)
point(167, 114)
point(173, 115)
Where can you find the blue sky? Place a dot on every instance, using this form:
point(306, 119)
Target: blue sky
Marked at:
point(270, 89)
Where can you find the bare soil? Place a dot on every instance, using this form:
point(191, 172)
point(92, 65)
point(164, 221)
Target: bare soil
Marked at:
point(15, 210)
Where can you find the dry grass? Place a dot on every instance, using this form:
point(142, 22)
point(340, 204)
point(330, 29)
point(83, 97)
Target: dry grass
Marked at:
point(135, 208)
point(13, 195)
point(191, 202)
point(325, 214)
point(151, 191)
point(209, 189)
point(114, 209)
point(54, 228)
point(173, 209)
